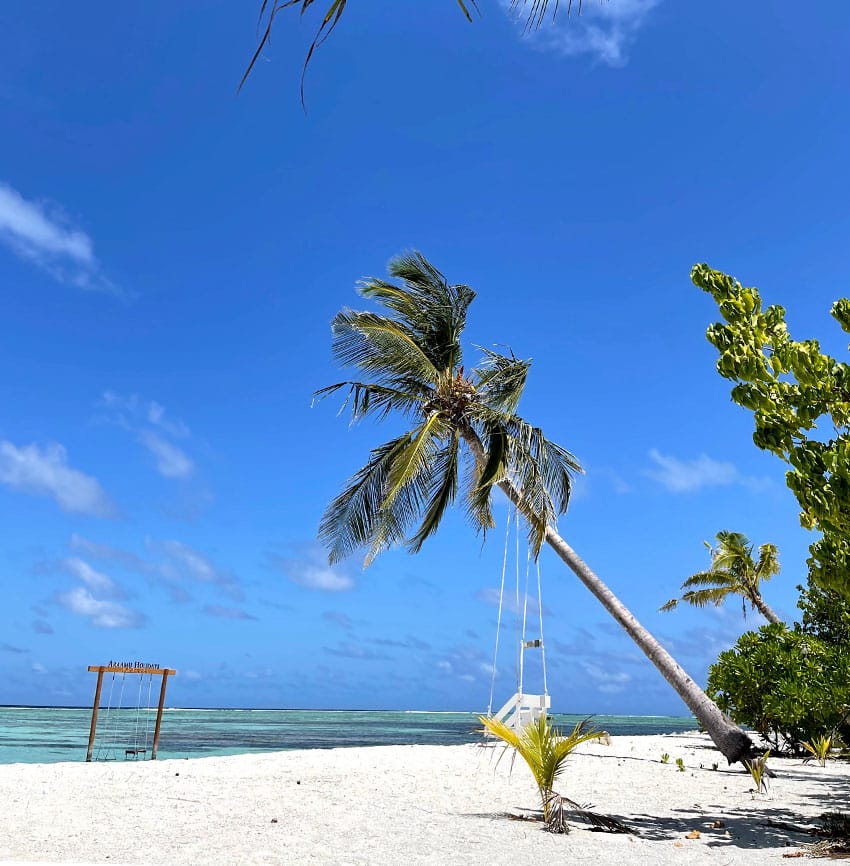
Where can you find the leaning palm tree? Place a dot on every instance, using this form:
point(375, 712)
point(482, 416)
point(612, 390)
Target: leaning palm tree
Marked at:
point(733, 572)
point(412, 364)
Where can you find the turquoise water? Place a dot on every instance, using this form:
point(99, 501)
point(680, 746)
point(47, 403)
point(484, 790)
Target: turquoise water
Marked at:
point(51, 734)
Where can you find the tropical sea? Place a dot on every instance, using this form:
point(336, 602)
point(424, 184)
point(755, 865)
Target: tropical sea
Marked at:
point(52, 734)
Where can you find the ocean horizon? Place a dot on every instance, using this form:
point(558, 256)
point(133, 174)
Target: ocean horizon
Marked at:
point(53, 734)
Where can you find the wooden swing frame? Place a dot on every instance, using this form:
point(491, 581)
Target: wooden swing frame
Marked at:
point(128, 668)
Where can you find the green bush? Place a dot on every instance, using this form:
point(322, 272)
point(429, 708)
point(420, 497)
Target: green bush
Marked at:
point(790, 685)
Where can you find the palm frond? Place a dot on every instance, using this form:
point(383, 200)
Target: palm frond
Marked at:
point(329, 22)
point(501, 380)
point(669, 605)
point(538, 10)
point(478, 502)
point(542, 472)
point(269, 11)
point(377, 400)
point(414, 458)
point(380, 346)
point(768, 562)
point(436, 311)
point(353, 517)
point(443, 490)
point(717, 579)
point(705, 597)
point(543, 747)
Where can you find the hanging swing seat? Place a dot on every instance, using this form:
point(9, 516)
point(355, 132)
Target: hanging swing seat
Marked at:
point(522, 709)
point(134, 753)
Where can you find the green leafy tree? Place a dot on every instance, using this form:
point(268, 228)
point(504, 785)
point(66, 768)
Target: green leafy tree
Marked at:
point(790, 685)
point(733, 571)
point(800, 400)
point(412, 363)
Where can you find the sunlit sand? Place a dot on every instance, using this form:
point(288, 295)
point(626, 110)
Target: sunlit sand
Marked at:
point(409, 805)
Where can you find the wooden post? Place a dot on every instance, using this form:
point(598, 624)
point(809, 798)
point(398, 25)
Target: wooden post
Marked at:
point(165, 674)
point(94, 710)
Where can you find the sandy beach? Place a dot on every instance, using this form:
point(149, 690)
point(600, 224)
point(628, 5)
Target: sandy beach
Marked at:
point(409, 805)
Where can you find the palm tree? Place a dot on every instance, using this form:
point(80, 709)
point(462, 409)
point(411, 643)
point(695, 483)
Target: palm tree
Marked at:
point(413, 366)
point(545, 750)
point(733, 572)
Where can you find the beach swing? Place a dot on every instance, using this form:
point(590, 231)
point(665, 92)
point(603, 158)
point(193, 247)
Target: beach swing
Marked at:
point(125, 731)
point(522, 707)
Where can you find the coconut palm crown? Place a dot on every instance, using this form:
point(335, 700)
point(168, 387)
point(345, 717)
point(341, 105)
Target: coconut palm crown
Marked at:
point(412, 363)
point(733, 571)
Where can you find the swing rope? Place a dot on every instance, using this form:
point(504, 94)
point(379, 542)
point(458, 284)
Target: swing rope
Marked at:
point(148, 710)
point(542, 642)
point(499, 617)
point(106, 746)
point(524, 618)
point(516, 607)
point(138, 714)
point(108, 713)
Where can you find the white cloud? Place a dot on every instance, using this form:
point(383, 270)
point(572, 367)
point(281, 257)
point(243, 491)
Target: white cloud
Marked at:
point(145, 411)
point(95, 580)
point(148, 421)
point(322, 577)
point(48, 240)
point(607, 681)
point(604, 29)
point(171, 462)
point(105, 614)
point(184, 560)
point(45, 472)
point(681, 476)
point(490, 595)
point(312, 571)
point(222, 612)
point(687, 476)
point(38, 668)
point(100, 551)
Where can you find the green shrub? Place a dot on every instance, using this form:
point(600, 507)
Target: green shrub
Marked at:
point(790, 685)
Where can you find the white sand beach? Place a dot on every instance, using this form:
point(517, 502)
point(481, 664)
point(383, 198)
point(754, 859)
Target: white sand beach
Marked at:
point(409, 805)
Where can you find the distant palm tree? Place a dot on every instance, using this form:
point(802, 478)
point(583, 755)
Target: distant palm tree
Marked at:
point(733, 572)
point(413, 363)
point(269, 10)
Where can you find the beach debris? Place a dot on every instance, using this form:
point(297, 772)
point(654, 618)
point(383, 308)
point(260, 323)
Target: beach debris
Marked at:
point(274, 820)
point(835, 826)
point(560, 807)
point(694, 834)
point(789, 854)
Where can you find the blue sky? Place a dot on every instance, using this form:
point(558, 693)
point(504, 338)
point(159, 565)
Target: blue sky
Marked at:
point(171, 256)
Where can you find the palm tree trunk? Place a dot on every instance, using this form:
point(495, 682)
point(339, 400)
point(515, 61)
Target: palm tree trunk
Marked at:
point(726, 735)
point(764, 609)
